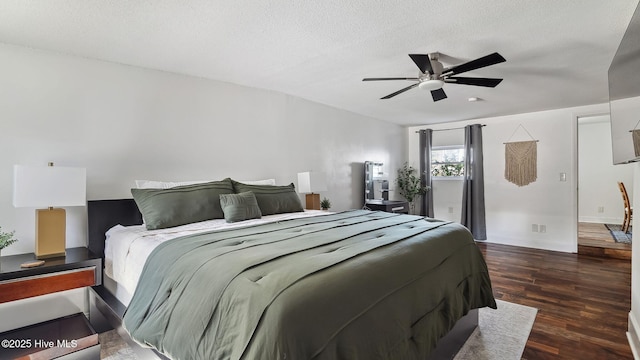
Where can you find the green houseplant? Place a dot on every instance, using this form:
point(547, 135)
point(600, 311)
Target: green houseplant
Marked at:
point(409, 185)
point(6, 239)
point(325, 204)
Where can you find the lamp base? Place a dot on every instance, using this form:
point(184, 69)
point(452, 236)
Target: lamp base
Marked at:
point(51, 228)
point(313, 201)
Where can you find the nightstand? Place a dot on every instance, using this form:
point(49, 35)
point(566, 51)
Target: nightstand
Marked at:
point(392, 206)
point(69, 337)
point(79, 268)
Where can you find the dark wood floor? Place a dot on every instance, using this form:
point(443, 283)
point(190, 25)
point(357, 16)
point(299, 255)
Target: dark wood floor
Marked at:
point(595, 239)
point(582, 301)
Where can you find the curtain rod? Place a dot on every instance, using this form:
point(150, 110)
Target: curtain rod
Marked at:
point(457, 128)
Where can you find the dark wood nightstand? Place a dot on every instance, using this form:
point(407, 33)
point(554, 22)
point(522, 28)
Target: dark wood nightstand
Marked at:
point(392, 206)
point(70, 337)
point(79, 268)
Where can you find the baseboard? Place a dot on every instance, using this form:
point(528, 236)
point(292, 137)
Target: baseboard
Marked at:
point(528, 243)
point(632, 336)
point(600, 220)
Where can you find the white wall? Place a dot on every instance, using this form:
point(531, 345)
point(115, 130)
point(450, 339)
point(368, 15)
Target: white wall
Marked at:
point(597, 176)
point(124, 123)
point(511, 210)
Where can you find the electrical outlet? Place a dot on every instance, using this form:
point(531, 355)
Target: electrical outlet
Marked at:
point(450, 210)
point(600, 209)
point(534, 227)
point(543, 228)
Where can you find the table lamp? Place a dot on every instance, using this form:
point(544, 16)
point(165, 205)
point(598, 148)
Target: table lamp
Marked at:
point(49, 186)
point(311, 183)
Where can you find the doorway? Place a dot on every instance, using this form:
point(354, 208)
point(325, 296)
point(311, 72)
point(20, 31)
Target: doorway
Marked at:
point(600, 204)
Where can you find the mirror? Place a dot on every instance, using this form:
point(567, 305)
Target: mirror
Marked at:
point(376, 183)
point(624, 95)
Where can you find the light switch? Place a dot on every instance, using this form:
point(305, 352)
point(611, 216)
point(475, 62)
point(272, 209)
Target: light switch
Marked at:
point(563, 176)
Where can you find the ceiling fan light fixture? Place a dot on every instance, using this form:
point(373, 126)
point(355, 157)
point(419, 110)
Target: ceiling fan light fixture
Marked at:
point(431, 84)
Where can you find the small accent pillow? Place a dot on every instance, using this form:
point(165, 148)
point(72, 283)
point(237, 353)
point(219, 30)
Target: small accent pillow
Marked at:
point(272, 199)
point(164, 208)
point(240, 207)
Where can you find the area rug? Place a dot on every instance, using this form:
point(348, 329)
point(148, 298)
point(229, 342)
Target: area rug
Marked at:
point(618, 234)
point(114, 347)
point(501, 335)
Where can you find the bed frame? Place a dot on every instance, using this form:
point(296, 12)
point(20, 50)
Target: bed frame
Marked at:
point(106, 311)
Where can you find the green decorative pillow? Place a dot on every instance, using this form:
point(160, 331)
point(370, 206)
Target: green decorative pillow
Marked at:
point(240, 207)
point(272, 199)
point(164, 208)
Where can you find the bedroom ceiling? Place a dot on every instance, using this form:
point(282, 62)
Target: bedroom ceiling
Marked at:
point(558, 52)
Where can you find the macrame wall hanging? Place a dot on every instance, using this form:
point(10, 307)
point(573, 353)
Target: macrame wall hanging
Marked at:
point(635, 134)
point(521, 160)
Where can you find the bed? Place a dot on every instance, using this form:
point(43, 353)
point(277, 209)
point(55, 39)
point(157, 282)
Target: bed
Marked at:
point(349, 285)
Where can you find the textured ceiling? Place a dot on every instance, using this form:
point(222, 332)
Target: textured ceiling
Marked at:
point(558, 51)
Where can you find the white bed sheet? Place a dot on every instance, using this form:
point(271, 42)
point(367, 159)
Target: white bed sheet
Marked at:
point(127, 248)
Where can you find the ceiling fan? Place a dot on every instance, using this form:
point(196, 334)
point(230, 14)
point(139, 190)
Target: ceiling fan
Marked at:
point(433, 75)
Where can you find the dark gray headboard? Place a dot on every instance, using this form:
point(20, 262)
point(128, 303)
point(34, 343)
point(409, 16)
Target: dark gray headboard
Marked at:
point(104, 214)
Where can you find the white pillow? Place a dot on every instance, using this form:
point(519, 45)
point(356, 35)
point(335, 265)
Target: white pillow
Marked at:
point(153, 184)
point(258, 182)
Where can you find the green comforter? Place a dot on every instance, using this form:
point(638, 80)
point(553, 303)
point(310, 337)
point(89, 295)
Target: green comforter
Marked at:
point(350, 285)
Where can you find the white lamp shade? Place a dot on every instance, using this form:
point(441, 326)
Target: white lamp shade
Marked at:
point(311, 182)
point(45, 186)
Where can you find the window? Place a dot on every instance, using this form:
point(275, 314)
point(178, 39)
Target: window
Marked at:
point(447, 162)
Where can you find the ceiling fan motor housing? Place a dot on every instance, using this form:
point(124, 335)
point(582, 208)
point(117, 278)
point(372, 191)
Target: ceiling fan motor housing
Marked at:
point(437, 68)
point(432, 81)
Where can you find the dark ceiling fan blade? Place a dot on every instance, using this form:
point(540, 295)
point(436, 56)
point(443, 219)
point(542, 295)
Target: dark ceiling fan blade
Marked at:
point(484, 61)
point(399, 91)
point(488, 82)
point(396, 78)
point(438, 94)
point(423, 62)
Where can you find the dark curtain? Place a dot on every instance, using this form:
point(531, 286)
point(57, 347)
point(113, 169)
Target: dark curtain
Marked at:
point(426, 202)
point(473, 214)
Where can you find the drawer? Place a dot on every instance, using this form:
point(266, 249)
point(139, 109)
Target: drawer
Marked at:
point(398, 208)
point(26, 287)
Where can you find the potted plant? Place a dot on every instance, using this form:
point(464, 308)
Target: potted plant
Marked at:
point(409, 185)
point(325, 204)
point(6, 239)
